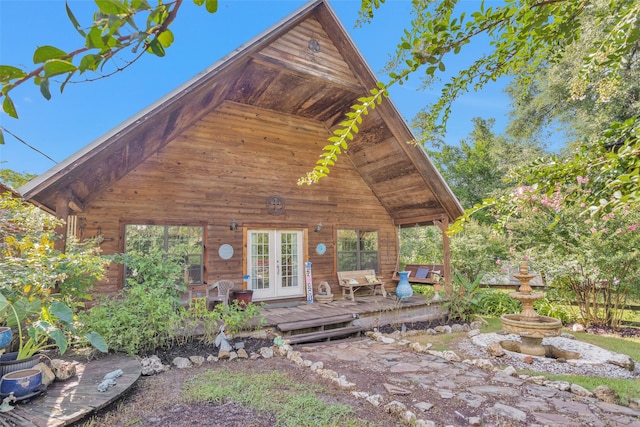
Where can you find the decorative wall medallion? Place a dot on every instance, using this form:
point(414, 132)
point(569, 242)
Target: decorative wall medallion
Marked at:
point(321, 249)
point(314, 45)
point(275, 205)
point(225, 251)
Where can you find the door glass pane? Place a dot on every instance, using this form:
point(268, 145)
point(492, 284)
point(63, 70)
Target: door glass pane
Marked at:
point(289, 259)
point(260, 261)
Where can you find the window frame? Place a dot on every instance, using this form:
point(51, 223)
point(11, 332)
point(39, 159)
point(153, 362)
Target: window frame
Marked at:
point(360, 235)
point(166, 225)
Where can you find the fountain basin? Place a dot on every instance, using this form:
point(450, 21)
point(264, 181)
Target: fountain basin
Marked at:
point(531, 330)
point(533, 327)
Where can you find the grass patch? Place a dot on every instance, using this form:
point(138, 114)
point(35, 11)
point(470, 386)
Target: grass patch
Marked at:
point(292, 404)
point(628, 345)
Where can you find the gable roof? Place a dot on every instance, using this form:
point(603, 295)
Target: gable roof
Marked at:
point(320, 85)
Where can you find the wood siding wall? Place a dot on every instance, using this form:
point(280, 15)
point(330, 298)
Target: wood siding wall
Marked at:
point(225, 167)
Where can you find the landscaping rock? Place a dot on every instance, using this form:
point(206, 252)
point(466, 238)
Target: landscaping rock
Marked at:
point(622, 360)
point(182, 363)
point(472, 333)
point(266, 352)
point(63, 369)
point(495, 349)
point(456, 328)
point(607, 394)
point(375, 399)
point(580, 391)
point(424, 406)
point(395, 407)
point(197, 360)
point(152, 365)
point(47, 374)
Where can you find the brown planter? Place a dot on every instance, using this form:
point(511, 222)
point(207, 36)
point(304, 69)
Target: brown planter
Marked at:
point(243, 296)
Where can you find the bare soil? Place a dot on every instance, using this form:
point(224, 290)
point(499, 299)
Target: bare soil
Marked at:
point(158, 400)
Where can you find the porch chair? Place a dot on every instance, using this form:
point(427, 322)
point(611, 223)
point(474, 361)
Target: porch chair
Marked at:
point(224, 288)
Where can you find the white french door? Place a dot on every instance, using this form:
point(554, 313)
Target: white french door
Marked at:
point(275, 263)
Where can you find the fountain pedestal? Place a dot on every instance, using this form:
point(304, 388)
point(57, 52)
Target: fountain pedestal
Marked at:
point(529, 325)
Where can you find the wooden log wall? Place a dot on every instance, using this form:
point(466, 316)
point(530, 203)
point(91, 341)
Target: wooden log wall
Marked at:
point(226, 167)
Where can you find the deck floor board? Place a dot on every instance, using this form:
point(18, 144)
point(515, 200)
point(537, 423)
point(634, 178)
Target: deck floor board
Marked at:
point(65, 402)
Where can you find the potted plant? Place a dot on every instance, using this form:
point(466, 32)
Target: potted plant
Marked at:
point(48, 330)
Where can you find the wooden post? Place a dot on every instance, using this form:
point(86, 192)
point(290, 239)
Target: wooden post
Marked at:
point(62, 213)
point(443, 224)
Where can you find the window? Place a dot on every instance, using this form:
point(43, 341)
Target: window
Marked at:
point(184, 242)
point(357, 250)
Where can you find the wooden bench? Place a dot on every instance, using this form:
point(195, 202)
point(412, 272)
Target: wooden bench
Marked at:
point(423, 274)
point(352, 281)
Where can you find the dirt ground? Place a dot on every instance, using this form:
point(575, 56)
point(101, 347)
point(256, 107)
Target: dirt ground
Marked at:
point(158, 401)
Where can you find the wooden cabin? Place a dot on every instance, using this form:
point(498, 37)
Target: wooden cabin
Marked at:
point(213, 166)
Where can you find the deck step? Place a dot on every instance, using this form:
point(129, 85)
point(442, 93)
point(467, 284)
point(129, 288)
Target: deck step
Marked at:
point(315, 323)
point(324, 335)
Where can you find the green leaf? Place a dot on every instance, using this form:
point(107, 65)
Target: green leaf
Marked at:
point(64, 83)
point(212, 6)
point(8, 73)
point(44, 89)
point(94, 38)
point(112, 7)
point(140, 5)
point(156, 48)
point(97, 341)
point(45, 328)
point(1, 137)
point(3, 303)
point(198, 2)
point(62, 312)
point(89, 62)
point(9, 108)
point(74, 21)
point(54, 67)
point(45, 53)
point(166, 38)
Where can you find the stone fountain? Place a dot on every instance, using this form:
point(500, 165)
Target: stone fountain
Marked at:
point(529, 325)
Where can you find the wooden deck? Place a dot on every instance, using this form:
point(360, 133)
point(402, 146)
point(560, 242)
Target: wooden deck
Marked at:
point(66, 402)
point(367, 311)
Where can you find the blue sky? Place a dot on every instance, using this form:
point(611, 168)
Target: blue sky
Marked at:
point(86, 111)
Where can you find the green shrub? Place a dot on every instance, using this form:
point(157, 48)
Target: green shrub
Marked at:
point(237, 318)
point(493, 302)
point(145, 315)
point(546, 307)
point(463, 304)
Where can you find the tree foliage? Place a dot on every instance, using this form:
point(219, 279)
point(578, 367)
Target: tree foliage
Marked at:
point(526, 37)
point(475, 168)
point(117, 26)
point(15, 179)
